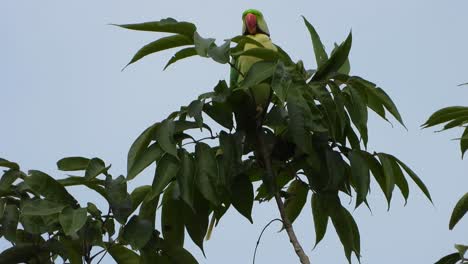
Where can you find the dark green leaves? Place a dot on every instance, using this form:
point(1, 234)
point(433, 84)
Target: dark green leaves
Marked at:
point(172, 220)
point(73, 164)
point(138, 148)
point(180, 55)
point(72, 220)
point(41, 207)
point(335, 62)
point(118, 197)
point(459, 211)
point(10, 222)
point(207, 172)
point(320, 54)
point(164, 135)
point(320, 214)
point(8, 164)
point(453, 258)
point(137, 232)
point(259, 72)
point(360, 175)
point(123, 255)
point(166, 171)
point(243, 196)
point(168, 25)
point(297, 197)
point(148, 156)
point(446, 114)
point(186, 178)
point(48, 187)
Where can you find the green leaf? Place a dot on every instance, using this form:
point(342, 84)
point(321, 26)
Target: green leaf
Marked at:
point(181, 256)
point(164, 135)
point(400, 179)
point(41, 207)
point(281, 82)
point(123, 255)
point(459, 211)
point(415, 178)
point(139, 147)
point(297, 196)
point(335, 62)
point(346, 229)
point(151, 154)
point(8, 178)
point(446, 114)
point(359, 175)
point(161, 44)
point(346, 67)
point(35, 224)
point(388, 175)
point(10, 222)
point(119, 199)
point(243, 196)
point(357, 109)
point(138, 195)
point(320, 54)
point(48, 187)
point(376, 169)
point(168, 25)
point(8, 164)
point(166, 171)
point(137, 232)
point(186, 178)
point(72, 220)
point(180, 55)
point(261, 53)
point(336, 170)
point(221, 113)
point(207, 172)
point(220, 54)
point(464, 142)
point(196, 221)
point(93, 210)
point(202, 45)
point(320, 214)
point(95, 167)
point(172, 221)
point(73, 164)
point(72, 251)
point(453, 258)
point(388, 103)
point(194, 110)
point(19, 253)
point(259, 72)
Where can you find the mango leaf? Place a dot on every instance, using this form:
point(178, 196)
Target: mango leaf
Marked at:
point(161, 44)
point(41, 207)
point(72, 220)
point(118, 197)
point(459, 211)
point(207, 172)
point(152, 154)
point(95, 167)
point(123, 255)
point(320, 214)
point(259, 72)
point(181, 54)
point(297, 196)
point(320, 54)
point(8, 164)
point(137, 232)
point(48, 187)
point(243, 196)
point(220, 54)
point(400, 179)
point(336, 169)
point(72, 251)
point(172, 221)
point(388, 175)
point(8, 178)
point(194, 110)
point(180, 255)
point(387, 102)
point(335, 62)
point(196, 221)
point(139, 146)
point(281, 82)
point(168, 25)
point(138, 195)
point(446, 114)
point(19, 253)
point(73, 164)
point(346, 67)
point(347, 231)
point(202, 45)
point(453, 258)
point(10, 222)
point(186, 178)
point(464, 142)
point(357, 109)
point(415, 178)
point(261, 53)
point(359, 175)
point(164, 135)
point(221, 113)
point(93, 210)
point(166, 171)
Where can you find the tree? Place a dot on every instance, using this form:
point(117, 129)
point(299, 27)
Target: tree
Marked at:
point(304, 141)
point(454, 117)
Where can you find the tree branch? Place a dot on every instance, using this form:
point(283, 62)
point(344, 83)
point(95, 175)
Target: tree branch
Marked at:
point(265, 155)
point(261, 234)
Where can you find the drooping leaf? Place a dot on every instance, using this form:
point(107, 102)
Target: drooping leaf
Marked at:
point(181, 256)
point(220, 54)
point(464, 142)
point(172, 221)
point(360, 175)
point(207, 172)
point(453, 258)
point(459, 211)
point(93, 210)
point(186, 178)
point(194, 110)
point(8, 164)
point(336, 169)
point(95, 167)
point(119, 199)
point(202, 45)
point(137, 232)
point(152, 154)
point(168, 25)
point(8, 178)
point(281, 82)
point(72, 220)
point(221, 113)
point(73, 164)
point(446, 114)
point(388, 103)
point(161, 44)
point(123, 255)
point(388, 174)
point(320, 214)
point(138, 195)
point(165, 137)
point(196, 221)
point(181, 54)
point(259, 72)
point(166, 171)
point(261, 53)
point(415, 178)
point(334, 63)
point(48, 187)
point(243, 196)
point(139, 146)
point(400, 179)
point(297, 197)
point(10, 222)
point(320, 54)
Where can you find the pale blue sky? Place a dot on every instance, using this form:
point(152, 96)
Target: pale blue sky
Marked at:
point(62, 94)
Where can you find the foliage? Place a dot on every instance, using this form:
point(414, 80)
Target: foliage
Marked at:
point(313, 135)
point(454, 117)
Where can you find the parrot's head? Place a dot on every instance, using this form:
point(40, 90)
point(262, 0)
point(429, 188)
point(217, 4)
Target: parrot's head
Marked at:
point(254, 23)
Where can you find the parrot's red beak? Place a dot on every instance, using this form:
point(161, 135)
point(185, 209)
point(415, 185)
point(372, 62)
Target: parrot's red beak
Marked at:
point(251, 23)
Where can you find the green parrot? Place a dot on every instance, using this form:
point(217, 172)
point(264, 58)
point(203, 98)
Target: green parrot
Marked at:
point(253, 26)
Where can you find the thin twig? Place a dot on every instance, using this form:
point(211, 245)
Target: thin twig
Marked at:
point(261, 234)
point(234, 67)
point(102, 257)
point(199, 140)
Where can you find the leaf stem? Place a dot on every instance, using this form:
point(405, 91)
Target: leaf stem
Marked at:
point(261, 234)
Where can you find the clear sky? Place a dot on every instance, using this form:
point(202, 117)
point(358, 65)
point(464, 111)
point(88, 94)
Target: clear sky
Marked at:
point(62, 94)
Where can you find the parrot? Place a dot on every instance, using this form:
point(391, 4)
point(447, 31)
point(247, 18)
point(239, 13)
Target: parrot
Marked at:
point(250, 106)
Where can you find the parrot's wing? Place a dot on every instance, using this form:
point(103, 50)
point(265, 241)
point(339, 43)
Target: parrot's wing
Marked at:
point(234, 77)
